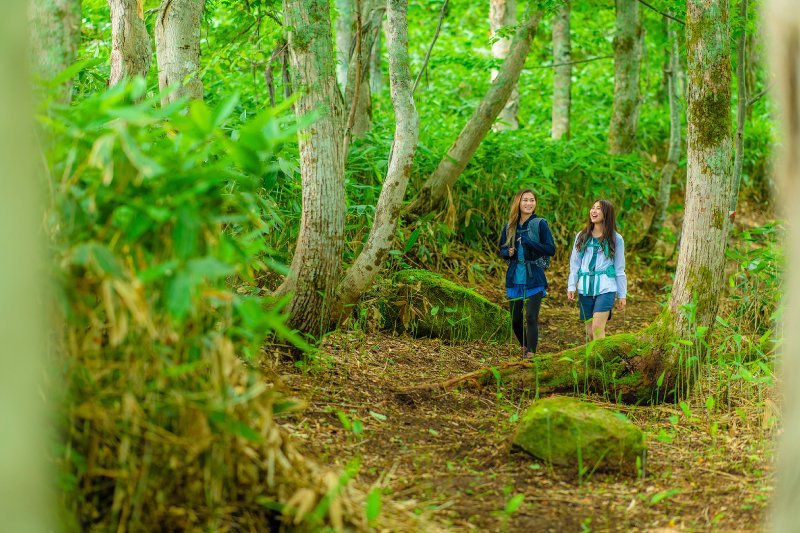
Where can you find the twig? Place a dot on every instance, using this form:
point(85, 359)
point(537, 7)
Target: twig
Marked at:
point(662, 13)
point(571, 62)
point(476, 376)
point(758, 95)
point(430, 48)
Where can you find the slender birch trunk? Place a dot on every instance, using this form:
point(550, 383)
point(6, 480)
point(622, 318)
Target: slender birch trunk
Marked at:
point(359, 102)
point(783, 29)
point(648, 242)
point(504, 13)
point(131, 53)
point(562, 78)
point(627, 56)
point(701, 260)
point(26, 394)
point(381, 237)
point(741, 109)
point(460, 152)
point(178, 48)
point(344, 40)
point(318, 254)
point(55, 36)
point(375, 68)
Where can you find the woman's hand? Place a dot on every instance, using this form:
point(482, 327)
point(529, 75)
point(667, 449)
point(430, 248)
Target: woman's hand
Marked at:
point(621, 303)
point(571, 295)
point(511, 252)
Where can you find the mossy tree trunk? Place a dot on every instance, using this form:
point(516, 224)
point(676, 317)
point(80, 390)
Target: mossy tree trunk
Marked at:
point(130, 43)
point(783, 29)
point(701, 262)
point(648, 242)
point(55, 36)
point(318, 253)
point(562, 78)
point(369, 261)
point(627, 56)
point(434, 190)
point(177, 32)
point(504, 13)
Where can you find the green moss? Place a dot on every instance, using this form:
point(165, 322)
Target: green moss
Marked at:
point(718, 219)
point(427, 305)
point(567, 432)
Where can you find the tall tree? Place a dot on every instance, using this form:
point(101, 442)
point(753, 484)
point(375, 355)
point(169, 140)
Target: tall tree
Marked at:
point(344, 39)
point(178, 48)
point(562, 80)
point(783, 29)
point(318, 253)
point(648, 242)
point(627, 56)
point(130, 43)
point(358, 94)
point(503, 13)
point(25, 479)
point(55, 36)
point(741, 107)
point(381, 237)
point(701, 260)
point(460, 152)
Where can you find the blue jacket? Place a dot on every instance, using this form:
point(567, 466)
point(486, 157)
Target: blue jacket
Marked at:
point(533, 250)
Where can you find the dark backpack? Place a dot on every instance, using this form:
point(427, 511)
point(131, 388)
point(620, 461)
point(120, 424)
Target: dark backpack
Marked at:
point(533, 234)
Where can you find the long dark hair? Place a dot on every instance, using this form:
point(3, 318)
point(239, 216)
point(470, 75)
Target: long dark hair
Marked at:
point(608, 240)
point(514, 215)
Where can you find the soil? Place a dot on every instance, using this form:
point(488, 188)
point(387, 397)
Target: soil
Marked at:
point(448, 456)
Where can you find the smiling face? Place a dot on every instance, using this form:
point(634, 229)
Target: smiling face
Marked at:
point(527, 204)
point(596, 215)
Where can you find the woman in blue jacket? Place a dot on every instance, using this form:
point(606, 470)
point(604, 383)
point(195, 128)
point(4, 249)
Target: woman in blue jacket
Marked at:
point(525, 242)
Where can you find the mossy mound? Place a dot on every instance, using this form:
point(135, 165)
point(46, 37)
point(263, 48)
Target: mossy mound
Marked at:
point(568, 432)
point(426, 305)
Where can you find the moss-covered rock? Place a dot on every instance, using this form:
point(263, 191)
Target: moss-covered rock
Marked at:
point(568, 432)
point(426, 305)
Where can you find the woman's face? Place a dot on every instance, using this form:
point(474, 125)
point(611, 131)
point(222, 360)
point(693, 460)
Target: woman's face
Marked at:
point(596, 213)
point(527, 204)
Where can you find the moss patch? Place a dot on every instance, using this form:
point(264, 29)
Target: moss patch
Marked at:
point(426, 305)
point(568, 432)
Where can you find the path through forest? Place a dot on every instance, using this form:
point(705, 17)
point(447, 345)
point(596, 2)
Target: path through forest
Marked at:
point(449, 455)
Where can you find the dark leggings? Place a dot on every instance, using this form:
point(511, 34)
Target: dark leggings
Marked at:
point(529, 336)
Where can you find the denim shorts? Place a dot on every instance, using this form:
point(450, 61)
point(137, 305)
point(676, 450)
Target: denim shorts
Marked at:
point(596, 304)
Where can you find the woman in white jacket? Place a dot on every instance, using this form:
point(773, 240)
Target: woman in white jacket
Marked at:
point(597, 269)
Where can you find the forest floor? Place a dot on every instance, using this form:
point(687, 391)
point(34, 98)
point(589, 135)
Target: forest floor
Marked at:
point(449, 456)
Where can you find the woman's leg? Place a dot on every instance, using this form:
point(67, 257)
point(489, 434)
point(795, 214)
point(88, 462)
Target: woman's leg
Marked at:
point(515, 306)
point(598, 324)
point(532, 307)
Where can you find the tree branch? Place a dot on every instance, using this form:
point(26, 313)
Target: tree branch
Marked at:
point(663, 14)
point(430, 48)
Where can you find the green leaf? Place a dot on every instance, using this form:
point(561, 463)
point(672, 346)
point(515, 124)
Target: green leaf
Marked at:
point(412, 239)
point(378, 416)
point(224, 110)
point(434, 310)
point(664, 495)
point(210, 268)
point(179, 295)
point(185, 233)
point(514, 503)
point(373, 505)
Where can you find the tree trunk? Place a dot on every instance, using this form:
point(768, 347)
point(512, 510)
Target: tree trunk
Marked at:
point(344, 40)
point(130, 43)
point(504, 13)
point(375, 69)
point(55, 36)
point(701, 260)
point(380, 240)
point(783, 28)
point(562, 78)
point(741, 109)
point(318, 254)
point(27, 390)
point(648, 242)
point(458, 155)
point(627, 56)
point(359, 103)
point(178, 49)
